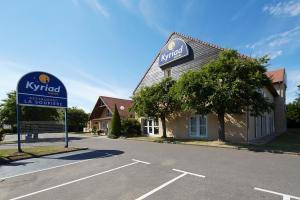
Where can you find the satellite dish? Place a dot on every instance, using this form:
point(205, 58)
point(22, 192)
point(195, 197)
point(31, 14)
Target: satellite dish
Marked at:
point(122, 107)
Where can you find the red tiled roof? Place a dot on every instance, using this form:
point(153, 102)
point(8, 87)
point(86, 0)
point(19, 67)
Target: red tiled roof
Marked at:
point(110, 102)
point(277, 76)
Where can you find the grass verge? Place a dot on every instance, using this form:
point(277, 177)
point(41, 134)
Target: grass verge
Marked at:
point(285, 143)
point(9, 155)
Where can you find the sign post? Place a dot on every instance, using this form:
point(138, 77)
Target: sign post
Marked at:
point(43, 90)
point(66, 129)
point(18, 129)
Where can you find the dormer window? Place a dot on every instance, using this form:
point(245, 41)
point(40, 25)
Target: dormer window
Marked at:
point(167, 73)
point(108, 114)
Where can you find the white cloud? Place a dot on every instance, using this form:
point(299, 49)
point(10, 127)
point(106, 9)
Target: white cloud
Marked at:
point(95, 4)
point(128, 5)
point(150, 13)
point(289, 8)
point(150, 16)
point(275, 44)
point(274, 54)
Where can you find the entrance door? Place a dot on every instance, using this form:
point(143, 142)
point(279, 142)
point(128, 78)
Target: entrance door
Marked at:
point(150, 126)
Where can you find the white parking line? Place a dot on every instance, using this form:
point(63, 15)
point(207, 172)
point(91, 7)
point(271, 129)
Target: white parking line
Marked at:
point(49, 168)
point(77, 180)
point(284, 196)
point(147, 163)
point(184, 173)
point(190, 173)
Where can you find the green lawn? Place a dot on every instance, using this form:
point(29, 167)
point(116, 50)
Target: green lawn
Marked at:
point(7, 155)
point(287, 142)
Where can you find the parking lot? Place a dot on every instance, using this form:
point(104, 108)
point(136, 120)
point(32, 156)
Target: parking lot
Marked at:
point(123, 169)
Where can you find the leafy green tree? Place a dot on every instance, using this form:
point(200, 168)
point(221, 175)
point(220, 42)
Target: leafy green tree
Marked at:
point(226, 85)
point(76, 119)
point(8, 109)
point(156, 101)
point(115, 124)
point(293, 112)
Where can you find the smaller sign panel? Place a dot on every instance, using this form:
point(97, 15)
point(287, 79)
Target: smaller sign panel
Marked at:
point(41, 89)
point(174, 50)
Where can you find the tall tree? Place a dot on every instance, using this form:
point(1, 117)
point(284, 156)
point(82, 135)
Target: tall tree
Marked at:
point(115, 124)
point(293, 112)
point(156, 101)
point(8, 109)
point(77, 119)
point(226, 85)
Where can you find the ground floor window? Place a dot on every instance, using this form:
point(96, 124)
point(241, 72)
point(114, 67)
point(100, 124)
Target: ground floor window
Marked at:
point(271, 124)
point(103, 125)
point(150, 126)
point(198, 126)
point(264, 125)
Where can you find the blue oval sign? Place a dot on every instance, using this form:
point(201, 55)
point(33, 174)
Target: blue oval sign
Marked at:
point(174, 50)
point(41, 89)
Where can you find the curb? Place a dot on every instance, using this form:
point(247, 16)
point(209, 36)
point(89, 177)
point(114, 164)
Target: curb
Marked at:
point(39, 156)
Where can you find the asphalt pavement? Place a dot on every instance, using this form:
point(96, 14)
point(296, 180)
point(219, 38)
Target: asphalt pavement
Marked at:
point(136, 170)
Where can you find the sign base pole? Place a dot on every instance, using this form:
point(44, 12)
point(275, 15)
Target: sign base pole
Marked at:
point(19, 129)
point(66, 130)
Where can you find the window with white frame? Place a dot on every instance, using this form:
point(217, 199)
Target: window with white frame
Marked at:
point(150, 126)
point(198, 126)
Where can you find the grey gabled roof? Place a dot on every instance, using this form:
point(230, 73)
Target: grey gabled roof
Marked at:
point(199, 49)
point(200, 53)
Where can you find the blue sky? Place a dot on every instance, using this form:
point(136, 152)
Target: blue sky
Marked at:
point(101, 47)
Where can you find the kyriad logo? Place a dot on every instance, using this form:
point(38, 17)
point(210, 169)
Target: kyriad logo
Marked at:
point(174, 50)
point(44, 79)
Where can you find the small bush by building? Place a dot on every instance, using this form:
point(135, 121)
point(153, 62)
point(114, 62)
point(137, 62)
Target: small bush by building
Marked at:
point(130, 127)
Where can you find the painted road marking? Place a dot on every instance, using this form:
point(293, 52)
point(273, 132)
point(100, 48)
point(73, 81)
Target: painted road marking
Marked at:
point(147, 163)
point(190, 173)
point(77, 180)
point(284, 196)
point(184, 173)
point(58, 166)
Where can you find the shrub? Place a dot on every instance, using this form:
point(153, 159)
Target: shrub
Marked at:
point(2, 134)
point(130, 127)
point(94, 131)
point(115, 130)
